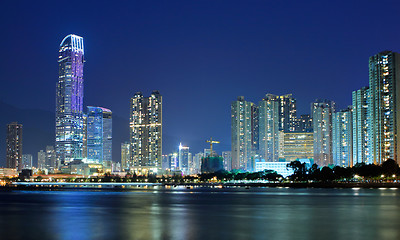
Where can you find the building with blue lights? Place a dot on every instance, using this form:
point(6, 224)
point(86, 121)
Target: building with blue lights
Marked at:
point(69, 100)
point(98, 135)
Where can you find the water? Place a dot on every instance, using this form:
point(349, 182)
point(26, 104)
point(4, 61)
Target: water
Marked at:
point(230, 213)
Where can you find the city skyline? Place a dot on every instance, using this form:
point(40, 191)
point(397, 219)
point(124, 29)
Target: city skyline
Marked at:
point(248, 81)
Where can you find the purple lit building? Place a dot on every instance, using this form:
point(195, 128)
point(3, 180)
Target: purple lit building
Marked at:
point(69, 100)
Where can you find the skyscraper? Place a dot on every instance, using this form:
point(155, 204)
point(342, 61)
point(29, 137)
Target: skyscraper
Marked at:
point(360, 126)
point(227, 156)
point(342, 138)
point(322, 111)
point(14, 146)
point(26, 161)
point(383, 107)
point(184, 159)
point(51, 163)
point(269, 128)
point(242, 115)
point(146, 131)
point(304, 123)
point(98, 134)
point(126, 155)
point(69, 99)
point(41, 160)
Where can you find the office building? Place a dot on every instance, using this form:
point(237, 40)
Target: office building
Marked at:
point(14, 146)
point(322, 111)
point(298, 145)
point(342, 138)
point(361, 123)
point(146, 132)
point(69, 100)
point(184, 159)
point(99, 135)
point(383, 107)
point(51, 163)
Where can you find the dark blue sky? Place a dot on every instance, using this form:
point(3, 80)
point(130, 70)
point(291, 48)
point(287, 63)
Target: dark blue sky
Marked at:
point(200, 55)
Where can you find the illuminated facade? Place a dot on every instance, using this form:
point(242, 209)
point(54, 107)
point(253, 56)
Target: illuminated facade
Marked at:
point(304, 123)
point(69, 100)
point(98, 134)
point(14, 146)
point(27, 161)
point(298, 145)
point(322, 111)
point(126, 155)
point(383, 107)
point(360, 126)
point(41, 160)
point(287, 111)
point(184, 159)
point(242, 114)
point(342, 138)
point(146, 131)
point(227, 157)
point(269, 128)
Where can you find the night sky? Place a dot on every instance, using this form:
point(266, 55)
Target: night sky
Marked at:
point(200, 55)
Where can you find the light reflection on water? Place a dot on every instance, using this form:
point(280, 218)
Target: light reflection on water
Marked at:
point(231, 213)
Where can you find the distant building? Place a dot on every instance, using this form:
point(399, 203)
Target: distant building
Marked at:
point(383, 107)
point(51, 160)
point(27, 160)
point(184, 159)
point(196, 163)
point(342, 138)
point(98, 134)
point(322, 111)
point(211, 164)
point(126, 162)
point(41, 160)
point(227, 157)
point(279, 167)
point(69, 100)
point(14, 146)
point(298, 145)
point(361, 124)
point(146, 132)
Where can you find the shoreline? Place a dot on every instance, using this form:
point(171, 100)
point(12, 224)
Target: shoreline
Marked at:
point(172, 186)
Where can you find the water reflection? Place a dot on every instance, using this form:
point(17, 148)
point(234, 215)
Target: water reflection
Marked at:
point(234, 213)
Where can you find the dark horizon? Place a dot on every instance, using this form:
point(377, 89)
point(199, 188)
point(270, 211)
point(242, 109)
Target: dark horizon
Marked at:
point(200, 55)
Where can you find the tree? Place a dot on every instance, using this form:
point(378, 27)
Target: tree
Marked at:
point(390, 167)
point(299, 169)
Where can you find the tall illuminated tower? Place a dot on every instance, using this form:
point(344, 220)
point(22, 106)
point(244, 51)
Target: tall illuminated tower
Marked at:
point(342, 137)
point(360, 126)
point(269, 128)
point(146, 132)
point(69, 99)
point(14, 146)
point(383, 107)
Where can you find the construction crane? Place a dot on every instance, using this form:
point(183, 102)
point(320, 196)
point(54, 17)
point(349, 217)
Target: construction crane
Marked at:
point(211, 144)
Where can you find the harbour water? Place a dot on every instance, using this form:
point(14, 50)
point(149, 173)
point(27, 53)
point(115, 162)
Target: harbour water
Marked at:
point(201, 213)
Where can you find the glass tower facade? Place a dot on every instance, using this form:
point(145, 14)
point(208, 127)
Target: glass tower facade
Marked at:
point(69, 100)
point(98, 135)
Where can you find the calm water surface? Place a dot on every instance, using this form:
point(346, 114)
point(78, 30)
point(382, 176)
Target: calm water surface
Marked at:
point(204, 213)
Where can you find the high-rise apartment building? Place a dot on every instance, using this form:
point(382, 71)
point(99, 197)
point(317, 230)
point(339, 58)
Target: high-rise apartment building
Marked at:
point(383, 107)
point(304, 123)
point(342, 138)
point(361, 123)
point(322, 111)
point(69, 99)
point(98, 134)
point(269, 128)
point(287, 112)
point(14, 146)
point(242, 117)
point(146, 131)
